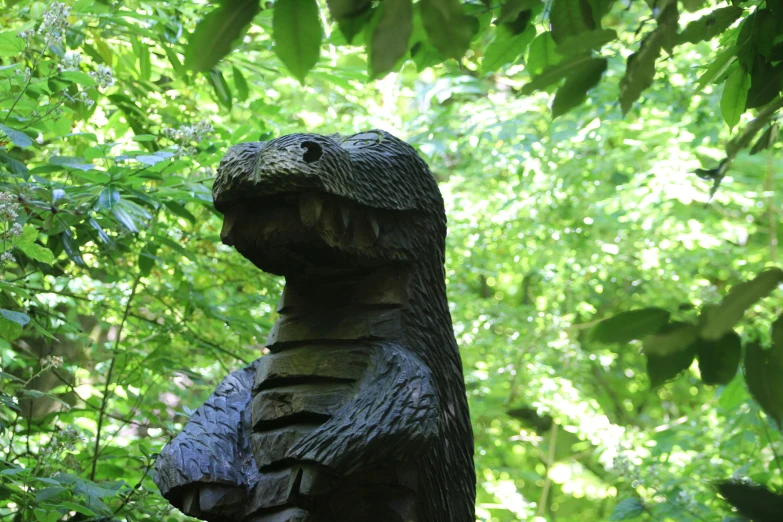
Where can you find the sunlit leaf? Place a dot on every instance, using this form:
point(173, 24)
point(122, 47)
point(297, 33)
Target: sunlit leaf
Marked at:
point(18, 138)
point(543, 54)
point(298, 33)
point(627, 509)
point(735, 95)
point(710, 25)
point(718, 321)
point(505, 49)
point(240, 84)
point(216, 33)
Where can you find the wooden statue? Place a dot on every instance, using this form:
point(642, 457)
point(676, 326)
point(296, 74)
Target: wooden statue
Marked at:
point(358, 413)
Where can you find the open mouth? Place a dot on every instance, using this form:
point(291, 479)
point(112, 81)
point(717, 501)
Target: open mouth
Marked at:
point(304, 227)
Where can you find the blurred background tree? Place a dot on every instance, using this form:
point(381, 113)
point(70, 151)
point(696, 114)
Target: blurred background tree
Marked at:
point(597, 158)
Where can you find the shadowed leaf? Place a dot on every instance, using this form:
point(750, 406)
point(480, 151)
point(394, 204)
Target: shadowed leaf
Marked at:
point(627, 326)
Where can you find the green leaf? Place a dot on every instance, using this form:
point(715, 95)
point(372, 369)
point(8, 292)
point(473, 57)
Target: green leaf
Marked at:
point(142, 52)
point(735, 95)
point(716, 68)
point(663, 368)
point(555, 73)
point(37, 252)
point(763, 370)
point(515, 15)
point(719, 360)
point(18, 138)
point(505, 49)
point(672, 338)
point(586, 41)
point(769, 138)
point(627, 509)
point(746, 51)
point(180, 210)
point(448, 28)
point(718, 321)
point(351, 15)
point(710, 25)
point(147, 259)
point(732, 395)
point(511, 9)
point(390, 36)
point(574, 90)
point(17, 317)
point(766, 82)
point(10, 43)
point(9, 330)
point(743, 138)
point(569, 18)
point(78, 77)
point(640, 67)
point(216, 33)
point(342, 9)
point(72, 506)
point(627, 326)
point(220, 85)
point(240, 84)
point(298, 34)
point(123, 217)
point(108, 197)
point(543, 54)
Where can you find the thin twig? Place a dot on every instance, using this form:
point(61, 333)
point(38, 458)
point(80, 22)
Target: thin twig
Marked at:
point(105, 400)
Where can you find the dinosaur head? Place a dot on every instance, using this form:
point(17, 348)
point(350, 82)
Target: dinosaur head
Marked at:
point(312, 202)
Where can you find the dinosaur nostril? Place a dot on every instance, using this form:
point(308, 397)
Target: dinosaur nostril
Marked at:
point(314, 151)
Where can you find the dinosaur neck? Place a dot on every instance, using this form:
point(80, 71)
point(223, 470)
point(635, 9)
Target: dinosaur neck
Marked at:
point(345, 307)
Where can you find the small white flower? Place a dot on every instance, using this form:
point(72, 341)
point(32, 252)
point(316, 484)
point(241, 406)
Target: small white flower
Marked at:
point(15, 230)
point(103, 76)
point(6, 257)
point(71, 60)
point(55, 22)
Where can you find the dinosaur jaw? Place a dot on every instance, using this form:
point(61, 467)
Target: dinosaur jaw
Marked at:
point(285, 234)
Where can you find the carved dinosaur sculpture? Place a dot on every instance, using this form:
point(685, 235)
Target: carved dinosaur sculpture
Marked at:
point(358, 412)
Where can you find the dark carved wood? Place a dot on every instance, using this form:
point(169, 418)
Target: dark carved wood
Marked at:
point(358, 413)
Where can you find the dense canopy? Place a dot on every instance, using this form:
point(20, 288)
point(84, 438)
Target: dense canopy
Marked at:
point(610, 172)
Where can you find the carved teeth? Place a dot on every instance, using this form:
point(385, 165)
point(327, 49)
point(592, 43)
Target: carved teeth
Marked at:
point(345, 212)
point(310, 208)
point(374, 226)
point(226, 235)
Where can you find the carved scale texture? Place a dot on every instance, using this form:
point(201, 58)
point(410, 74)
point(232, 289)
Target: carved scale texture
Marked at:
point(394, 413)
point(213, 448)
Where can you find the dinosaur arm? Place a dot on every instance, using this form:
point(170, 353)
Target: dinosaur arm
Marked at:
point(393, 417)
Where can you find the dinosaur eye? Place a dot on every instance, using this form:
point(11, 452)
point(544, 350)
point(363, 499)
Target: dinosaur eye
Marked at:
point(365, 139)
